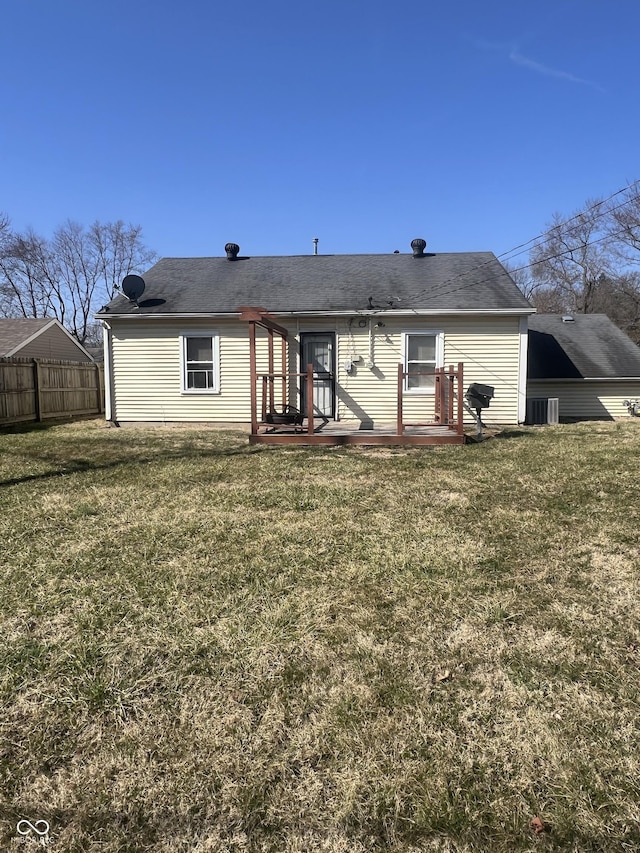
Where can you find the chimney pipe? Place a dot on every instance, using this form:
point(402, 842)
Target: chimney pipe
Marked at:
point(315, 245)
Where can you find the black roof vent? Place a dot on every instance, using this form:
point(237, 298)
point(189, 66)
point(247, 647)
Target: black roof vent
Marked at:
point(418, 245)
point(232, 250)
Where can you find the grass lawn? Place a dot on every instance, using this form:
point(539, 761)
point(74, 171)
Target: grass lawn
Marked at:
point(214, 647)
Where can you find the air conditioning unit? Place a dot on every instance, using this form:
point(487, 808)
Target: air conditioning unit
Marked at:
point(543, 410)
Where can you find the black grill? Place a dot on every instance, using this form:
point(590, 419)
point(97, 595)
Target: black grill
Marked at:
point(479, 396)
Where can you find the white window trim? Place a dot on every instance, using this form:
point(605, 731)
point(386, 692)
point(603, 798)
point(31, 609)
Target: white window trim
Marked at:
point(439, 336)
point(215, 352)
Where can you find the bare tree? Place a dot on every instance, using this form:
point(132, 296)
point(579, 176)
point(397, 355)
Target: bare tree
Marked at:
point(586, 264)
point(5, 234)
point(119, 251)
point(92, 262)
point(623, 227)
point(572, 257)
point(28, 276)
point(522, 277)
point(550, 300)
point(619, 299)
point(69, 276)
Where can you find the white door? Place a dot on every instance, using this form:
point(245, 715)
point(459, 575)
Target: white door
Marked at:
point(318, 350)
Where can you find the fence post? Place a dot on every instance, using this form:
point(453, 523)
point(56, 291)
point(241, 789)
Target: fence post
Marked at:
point(99, 389)
point(37, 389)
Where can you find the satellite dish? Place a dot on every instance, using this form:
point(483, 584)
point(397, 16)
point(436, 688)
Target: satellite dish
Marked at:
point(133, 287)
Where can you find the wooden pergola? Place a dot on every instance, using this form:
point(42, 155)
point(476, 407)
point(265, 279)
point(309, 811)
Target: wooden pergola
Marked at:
point(282, 423)
point(261, 317)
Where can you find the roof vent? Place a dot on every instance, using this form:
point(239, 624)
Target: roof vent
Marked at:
point(418, 245)
point(567, 318)
point(232, 250)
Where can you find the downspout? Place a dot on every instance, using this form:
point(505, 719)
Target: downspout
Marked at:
point(522, 374)
point(108, 372)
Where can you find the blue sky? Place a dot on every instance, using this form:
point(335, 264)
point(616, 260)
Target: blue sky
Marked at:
point(361, 122)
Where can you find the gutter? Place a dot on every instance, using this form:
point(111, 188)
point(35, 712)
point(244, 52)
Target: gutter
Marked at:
point(417, 312)
point(588, 379)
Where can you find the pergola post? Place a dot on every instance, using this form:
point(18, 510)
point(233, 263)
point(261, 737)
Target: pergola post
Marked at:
point(253, 371)
point(271, 369)
point(284, 372)
point(310, 399)
point(261, 317)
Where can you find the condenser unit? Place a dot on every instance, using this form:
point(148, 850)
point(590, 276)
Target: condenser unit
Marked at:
point(543, 410)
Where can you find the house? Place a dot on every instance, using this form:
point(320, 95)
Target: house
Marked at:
point(191, 347)
point(46, 339)
point(585, 361)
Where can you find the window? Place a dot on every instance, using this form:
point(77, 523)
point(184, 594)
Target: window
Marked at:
point(200, 368)
point(423, 352)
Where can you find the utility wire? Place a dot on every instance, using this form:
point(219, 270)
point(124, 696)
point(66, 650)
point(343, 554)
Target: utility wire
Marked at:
point(575, 216)
point(437, 290)
point(568, 251)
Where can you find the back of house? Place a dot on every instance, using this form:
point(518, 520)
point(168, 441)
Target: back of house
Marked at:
point(180, 351)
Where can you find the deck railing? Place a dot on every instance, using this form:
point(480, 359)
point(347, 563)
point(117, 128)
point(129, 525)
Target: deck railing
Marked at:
point(287, 381)
point(448, 398)
point(282, 387)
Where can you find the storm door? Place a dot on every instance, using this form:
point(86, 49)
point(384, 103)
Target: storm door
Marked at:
point(318, 349)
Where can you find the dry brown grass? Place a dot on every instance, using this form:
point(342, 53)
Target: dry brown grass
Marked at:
point(211, 647)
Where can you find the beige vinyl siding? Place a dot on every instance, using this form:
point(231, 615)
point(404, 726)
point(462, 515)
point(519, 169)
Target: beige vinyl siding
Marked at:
point(147, 367)
point(53, 345)
point(147, 376)
point(488, 347)
point(580, 398)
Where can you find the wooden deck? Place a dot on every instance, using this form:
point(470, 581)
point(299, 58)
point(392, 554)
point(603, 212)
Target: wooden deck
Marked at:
point(274, 394)
point(349, 432)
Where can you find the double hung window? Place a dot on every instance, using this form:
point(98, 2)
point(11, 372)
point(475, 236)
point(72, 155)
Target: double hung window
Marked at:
point(200, 364)
point(423, 353)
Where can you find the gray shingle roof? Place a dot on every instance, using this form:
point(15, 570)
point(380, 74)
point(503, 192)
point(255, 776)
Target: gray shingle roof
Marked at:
point(13, 332)
point(317, 283)
point(588, 347)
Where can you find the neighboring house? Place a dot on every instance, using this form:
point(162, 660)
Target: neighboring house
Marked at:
point(46, 339)
point(182, 352)
point(585, 361)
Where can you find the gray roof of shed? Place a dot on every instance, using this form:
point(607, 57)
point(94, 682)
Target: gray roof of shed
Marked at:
point(326, 283)
point(15, 331)
point(590, 346)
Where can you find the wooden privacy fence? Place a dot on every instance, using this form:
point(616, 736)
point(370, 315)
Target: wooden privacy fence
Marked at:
point(35, 390)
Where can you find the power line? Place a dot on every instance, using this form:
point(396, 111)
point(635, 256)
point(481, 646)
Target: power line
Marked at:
point(526, 266)
point(575, 216)
point(437, 291)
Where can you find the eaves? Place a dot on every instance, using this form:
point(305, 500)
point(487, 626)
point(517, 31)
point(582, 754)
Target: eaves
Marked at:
point(422, 312)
